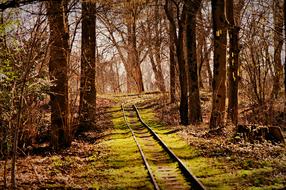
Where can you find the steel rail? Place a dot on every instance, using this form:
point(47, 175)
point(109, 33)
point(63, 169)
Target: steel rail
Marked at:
point(195, 183)
point(156, 186)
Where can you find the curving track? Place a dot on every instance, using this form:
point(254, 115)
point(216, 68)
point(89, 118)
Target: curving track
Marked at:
point(165, 169)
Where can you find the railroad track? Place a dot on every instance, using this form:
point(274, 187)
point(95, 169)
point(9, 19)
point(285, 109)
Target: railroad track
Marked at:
point(165, 169)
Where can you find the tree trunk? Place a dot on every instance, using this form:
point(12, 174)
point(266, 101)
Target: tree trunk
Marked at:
point(210, 75)
point(5, 128)
point(158, 72)
point(181, 60)
point(138, 77)
point(219, 78)
point(58, 70)
point(155, 55)
point(159, 75)
point(194, 91)
point(138, 72)
point(134, 73)
point(285, 58)
point(87, 80)
point(117, 78)
point(233, 63)
point(183, 72)
point(207, 55)
point(173, 63)
point(129, 76)
point(200, 47)
point(278, 43)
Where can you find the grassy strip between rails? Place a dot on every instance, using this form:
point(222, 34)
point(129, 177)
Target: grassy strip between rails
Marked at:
point(217, 172)
point(124, 166)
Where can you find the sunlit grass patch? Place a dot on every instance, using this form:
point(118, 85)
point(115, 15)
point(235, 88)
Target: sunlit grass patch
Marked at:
point(218, 172)
point(211, 172)
point(63, 164)
point(123, 167)
point(172, 139)
point(117, 164)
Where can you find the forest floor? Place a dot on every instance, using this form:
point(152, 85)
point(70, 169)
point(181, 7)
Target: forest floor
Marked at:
point(107, 157)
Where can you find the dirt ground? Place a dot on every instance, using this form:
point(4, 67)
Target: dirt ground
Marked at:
point(48, 170)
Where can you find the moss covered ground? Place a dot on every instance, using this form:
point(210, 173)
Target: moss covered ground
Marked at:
point(108, 158)
point(221, 168)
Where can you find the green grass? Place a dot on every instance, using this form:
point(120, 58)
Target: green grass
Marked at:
point(117, 164)
point(216, 172)
point(123, 168)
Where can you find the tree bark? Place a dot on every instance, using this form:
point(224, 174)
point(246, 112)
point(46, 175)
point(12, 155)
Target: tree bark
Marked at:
point(134, 73)
point(159, 74)
point(200, 47)
point(58, 70)
point(173, 63)
point(278, 43)
point(219, 78)
point(181, 61)
point(205, 49)
point(210, 74)
point(129, 76)
point(285, 58)
point(88, 67)
point(233, 63)
point(195, 114)
point(183, 72)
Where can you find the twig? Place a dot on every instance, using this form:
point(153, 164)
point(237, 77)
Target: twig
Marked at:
point(22, 151)
point(36, 173)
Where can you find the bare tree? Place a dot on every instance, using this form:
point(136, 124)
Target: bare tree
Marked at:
point(278, 43)
point(58, 69)
point(194, 90)
point(123, 32)
point(155, 44)
point(87, 80)
point(284, 9)
point(233, 61)
point(219, 78)
point(134, 73)
point(204, 44)
point(180, 19)
point(172, 57)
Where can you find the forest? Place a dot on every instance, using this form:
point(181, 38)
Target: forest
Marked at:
point(143, 94)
